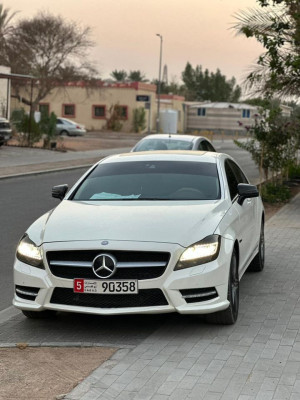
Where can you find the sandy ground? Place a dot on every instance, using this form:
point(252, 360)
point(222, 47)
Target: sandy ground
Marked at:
point(46, 373)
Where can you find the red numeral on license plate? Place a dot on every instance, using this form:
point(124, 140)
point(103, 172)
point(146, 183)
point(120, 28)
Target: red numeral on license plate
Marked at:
point(79, 285)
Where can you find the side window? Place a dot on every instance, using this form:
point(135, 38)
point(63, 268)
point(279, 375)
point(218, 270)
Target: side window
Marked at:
point(200, 147)
point(231, 180)
point(238, 172)
point(207, 146)
point(204, 145)
point(59, 121)
point(210, 147)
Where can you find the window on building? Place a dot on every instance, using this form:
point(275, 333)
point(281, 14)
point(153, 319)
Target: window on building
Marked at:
point(246, 113)
point(98, 111)
point(68, 110)
point(44, 108)
point(122, 111)
point(201, 112)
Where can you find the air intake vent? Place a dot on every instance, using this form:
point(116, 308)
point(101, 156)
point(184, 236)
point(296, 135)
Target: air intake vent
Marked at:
point(145, 298)
point(197, 295)
point(27, 292)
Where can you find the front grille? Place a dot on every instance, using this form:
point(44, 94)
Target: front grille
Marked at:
point(4, 125)
point(27, 292)
point(130, 264)
point(145, 298)
point(197, 295)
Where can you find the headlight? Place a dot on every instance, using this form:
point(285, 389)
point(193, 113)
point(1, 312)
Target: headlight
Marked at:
point(29, 253)
point(200, 253)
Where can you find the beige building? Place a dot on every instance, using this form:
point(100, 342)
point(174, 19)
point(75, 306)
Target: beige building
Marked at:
point(4, 92)
point(93, 106)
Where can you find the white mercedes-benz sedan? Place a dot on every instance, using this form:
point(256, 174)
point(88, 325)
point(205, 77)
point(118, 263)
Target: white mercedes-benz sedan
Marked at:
point(149, 232)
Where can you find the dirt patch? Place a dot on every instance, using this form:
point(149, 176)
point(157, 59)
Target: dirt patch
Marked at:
point(45, 373)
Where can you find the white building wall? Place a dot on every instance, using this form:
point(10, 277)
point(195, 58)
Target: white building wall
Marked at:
point(4, 93)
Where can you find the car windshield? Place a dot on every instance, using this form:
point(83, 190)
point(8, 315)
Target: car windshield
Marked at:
point(163, 144)
point(150, 180)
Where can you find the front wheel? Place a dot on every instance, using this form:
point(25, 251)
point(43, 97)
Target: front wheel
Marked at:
point(39, 314)
point(229, 316)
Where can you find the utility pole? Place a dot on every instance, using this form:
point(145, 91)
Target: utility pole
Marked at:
point(159, 83)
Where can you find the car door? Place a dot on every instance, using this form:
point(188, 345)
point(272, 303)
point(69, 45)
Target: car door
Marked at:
point(247, 219)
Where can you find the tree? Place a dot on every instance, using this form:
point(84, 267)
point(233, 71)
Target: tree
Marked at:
point(274, 141)
point(119, 76)
point(5, 29)
point(200, 86)
point(50, 49)
point(172, 88)
point(276, 25)
point(137, 76)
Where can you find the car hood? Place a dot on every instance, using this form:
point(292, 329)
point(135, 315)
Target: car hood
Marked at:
point(181, 222)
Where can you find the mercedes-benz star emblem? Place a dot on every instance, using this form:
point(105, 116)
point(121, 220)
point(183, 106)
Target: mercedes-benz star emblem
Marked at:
point(104, 266)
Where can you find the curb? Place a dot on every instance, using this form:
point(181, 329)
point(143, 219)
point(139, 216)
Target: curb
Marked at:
point(45, 171)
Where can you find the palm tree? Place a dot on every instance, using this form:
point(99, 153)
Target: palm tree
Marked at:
point(137, 76)
point(278, 30)
point(119, 76)
point(5, 30)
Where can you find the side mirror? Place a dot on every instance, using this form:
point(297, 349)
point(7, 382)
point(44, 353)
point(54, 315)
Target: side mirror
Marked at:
point(246, 191)
point(59, 191)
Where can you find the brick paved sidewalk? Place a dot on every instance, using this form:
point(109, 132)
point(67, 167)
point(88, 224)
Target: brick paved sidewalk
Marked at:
point(257, 358)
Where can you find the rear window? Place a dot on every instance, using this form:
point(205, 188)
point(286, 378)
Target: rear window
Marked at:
point(151, 180)
point(163, 144)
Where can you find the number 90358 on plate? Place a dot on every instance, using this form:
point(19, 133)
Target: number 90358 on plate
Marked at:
point(105, 286)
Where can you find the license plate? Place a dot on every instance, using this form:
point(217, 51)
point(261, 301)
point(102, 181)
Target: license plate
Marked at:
point(105, 287)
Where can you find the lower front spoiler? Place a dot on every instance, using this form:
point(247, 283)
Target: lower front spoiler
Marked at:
point(183, 309)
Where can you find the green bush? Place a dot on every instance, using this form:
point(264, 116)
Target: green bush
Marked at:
point(48, 127)
point(275, 193)
point(139, 119)
point(113, 121)
point(294, 171)
point(29, 131)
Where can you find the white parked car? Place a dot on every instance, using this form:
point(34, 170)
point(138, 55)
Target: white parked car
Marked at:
point(65, 126)
point(173, 142)
point(145, 233)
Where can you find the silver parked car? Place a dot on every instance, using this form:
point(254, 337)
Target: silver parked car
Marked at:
point(65, 126)
point(5, 131)
point(173, 142)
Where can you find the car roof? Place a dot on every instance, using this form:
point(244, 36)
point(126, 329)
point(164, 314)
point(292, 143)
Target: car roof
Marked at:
point(166, 155)
point(175, 136)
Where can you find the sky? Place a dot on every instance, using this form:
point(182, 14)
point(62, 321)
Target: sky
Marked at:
point(124, 31)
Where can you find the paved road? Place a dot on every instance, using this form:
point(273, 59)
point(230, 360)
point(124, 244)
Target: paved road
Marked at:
point(22, 201)
point(24, 159)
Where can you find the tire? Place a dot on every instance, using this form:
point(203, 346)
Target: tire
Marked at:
point(258, 262)
point(39, 314)
point(64, 133)
point(229, 316)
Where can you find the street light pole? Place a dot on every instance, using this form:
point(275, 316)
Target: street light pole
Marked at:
point(159, 79)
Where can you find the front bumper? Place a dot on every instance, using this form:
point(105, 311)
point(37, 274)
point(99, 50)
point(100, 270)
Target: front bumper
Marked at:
point(171, 283)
